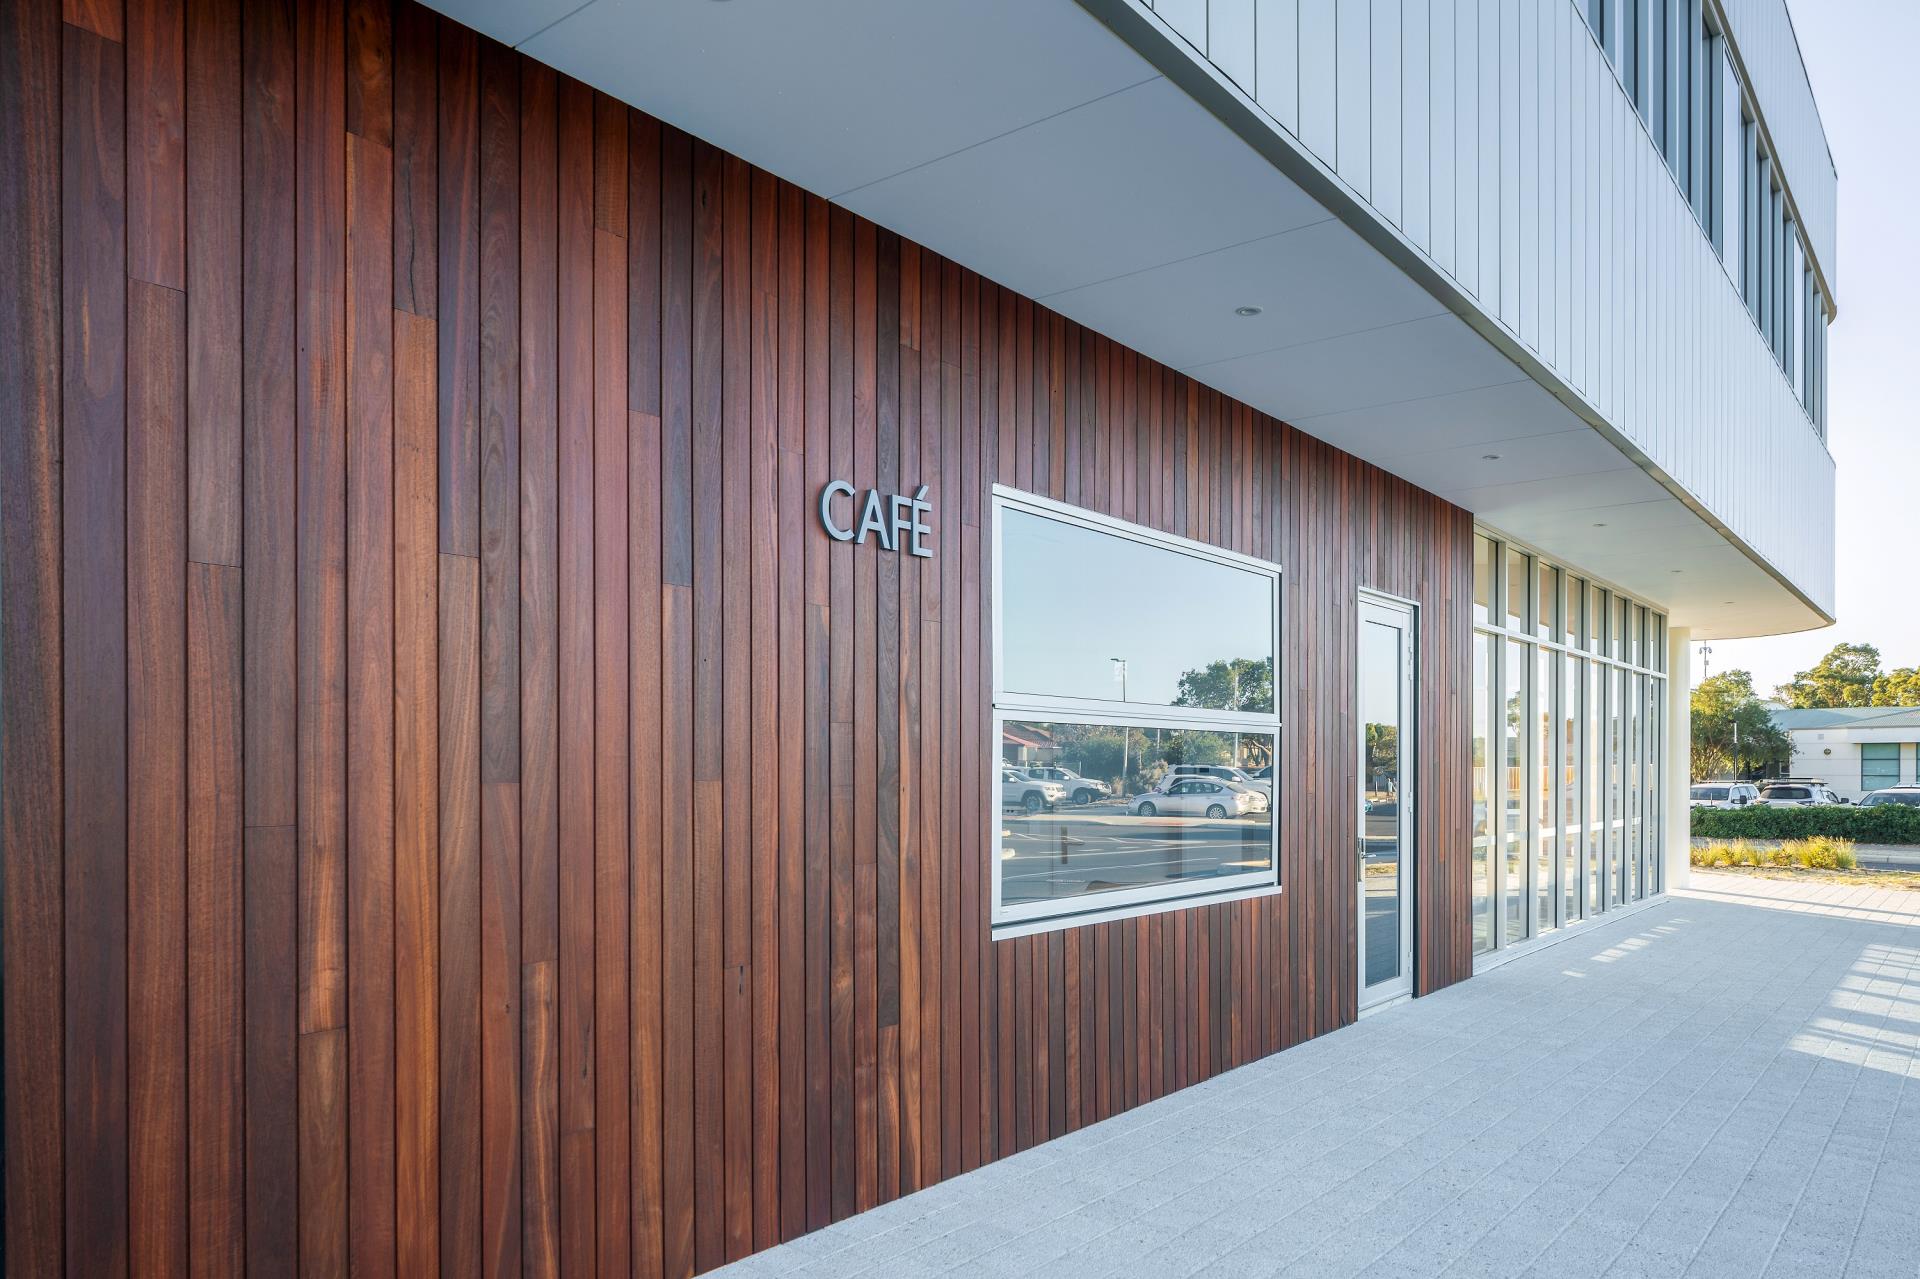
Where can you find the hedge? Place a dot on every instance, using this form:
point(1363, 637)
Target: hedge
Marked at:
point(1881, 824)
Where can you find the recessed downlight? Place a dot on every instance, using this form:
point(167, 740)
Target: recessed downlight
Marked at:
point(1247, 312)
point(1489, 457)
point(1602, 524)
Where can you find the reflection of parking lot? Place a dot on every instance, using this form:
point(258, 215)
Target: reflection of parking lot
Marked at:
point(1102, 848)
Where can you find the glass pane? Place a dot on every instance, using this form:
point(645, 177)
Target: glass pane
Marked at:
point(1482, 579)
point(1571, 688)
point(1518, 571)
point(1617, 629)
point(1093, 614)
point(1634, 782)
point(1088, 809)
point(1482, 791)
point(1544, 814)
point(1879, 765)
point(1593, 767)
point(1380, 679)
point(1653, 812)
point(1513, 790)
point(1616, 796)
point(1596, 619)
point(1547, 603)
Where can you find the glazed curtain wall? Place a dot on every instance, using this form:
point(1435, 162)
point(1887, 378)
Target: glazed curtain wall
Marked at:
point(461, 811)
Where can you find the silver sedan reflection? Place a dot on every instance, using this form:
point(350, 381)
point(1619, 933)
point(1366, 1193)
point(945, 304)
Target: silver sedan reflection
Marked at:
point(1199, 797)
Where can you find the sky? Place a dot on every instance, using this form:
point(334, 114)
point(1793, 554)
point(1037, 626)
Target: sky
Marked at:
point(1859, 58)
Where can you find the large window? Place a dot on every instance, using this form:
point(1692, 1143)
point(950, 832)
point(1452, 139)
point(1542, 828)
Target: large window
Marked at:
point(1568, 743)
point(1136, 711)
point(1879, 765)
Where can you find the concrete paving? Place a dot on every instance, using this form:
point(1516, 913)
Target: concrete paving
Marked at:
point(1724, 1083)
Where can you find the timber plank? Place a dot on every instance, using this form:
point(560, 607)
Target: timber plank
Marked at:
point(574, 603)
point(215, 897)
point(461, 839)
point(539, 623)
point(416, 796)
point(214, 204)
point(458, 167)
point(156, 142)
point(370, 704)
point(93, 507)
point(32, 787)
point(677, 955)
point(156, 778)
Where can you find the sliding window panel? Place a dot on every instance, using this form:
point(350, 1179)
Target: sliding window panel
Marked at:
point(1094, 814)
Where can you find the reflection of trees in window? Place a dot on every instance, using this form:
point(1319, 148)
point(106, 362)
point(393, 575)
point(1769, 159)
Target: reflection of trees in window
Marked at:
point(1383, 757)
point(1230, 684)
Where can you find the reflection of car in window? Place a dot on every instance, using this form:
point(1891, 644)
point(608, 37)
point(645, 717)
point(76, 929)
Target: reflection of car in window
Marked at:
point(1200, 797)
point(1222, 772)
point(1081, 790)
point(1029, 795)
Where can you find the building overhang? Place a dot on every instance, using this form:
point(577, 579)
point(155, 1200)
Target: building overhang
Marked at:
point(1111, 180)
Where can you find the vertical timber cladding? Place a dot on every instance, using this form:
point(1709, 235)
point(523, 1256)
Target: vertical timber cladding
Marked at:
point(462, 810)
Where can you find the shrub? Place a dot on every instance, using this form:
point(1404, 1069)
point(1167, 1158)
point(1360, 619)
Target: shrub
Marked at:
point(1881, 824)
point(1822, 852)
point(1818, 852)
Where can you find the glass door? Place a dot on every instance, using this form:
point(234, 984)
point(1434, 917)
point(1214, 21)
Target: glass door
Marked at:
point(1386, 756)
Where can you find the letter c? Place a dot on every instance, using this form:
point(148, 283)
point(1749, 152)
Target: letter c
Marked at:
point(834, 531)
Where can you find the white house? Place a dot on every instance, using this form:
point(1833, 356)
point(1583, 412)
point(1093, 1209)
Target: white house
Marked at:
point(1854, 749)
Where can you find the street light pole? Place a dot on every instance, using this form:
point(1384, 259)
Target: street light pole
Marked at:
point(1126, 738)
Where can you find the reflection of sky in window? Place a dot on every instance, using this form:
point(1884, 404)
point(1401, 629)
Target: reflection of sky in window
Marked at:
point(1073, 598)
point(1380, 690)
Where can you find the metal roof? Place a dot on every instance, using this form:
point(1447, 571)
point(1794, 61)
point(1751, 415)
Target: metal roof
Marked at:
point(1847, 717)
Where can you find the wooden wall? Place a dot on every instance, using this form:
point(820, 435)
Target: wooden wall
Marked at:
point(460, 810)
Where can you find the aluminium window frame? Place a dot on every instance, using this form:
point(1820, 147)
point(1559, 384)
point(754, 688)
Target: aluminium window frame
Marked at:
point(1621, 680)
point(1052, 914)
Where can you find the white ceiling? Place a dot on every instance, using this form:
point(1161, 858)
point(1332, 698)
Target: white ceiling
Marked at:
point(1024, 140)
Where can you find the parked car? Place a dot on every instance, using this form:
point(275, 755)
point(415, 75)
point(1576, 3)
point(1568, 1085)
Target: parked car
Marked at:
point(1200, 797)
point(1797, 792)
point(1908, 795)
point(1028, 794)
point(1220, 772)
point(1723, 795)
point(1081, 790)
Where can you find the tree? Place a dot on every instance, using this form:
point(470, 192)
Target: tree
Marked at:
point(1733, 733)
point(1844, 677)
point(1900, 687)
point(1239, 684)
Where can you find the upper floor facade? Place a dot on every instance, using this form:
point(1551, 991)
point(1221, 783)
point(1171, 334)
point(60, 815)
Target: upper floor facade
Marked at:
point(1633, 198)
point(1566, 263)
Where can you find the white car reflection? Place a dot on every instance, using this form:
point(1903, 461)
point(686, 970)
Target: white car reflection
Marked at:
point(1081, 790)
point(1029, 795)
point(1200, 797)
point(1220, 773)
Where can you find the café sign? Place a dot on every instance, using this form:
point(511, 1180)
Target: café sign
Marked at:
point(894, 517)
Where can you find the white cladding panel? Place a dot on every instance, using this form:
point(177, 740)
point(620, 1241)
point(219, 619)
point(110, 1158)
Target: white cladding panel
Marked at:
point(1510, 157)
